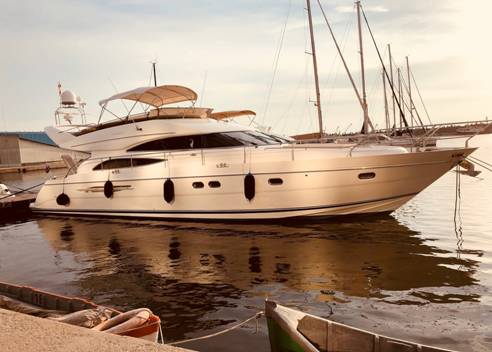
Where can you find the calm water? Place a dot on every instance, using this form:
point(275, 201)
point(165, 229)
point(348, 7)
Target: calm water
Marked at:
point(412, 275)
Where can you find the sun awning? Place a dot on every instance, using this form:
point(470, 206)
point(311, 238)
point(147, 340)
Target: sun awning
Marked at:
point(155, 96)
point(230, 114)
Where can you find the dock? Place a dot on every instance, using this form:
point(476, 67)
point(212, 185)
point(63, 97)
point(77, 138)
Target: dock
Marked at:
point(21, 332)
point(19, 204)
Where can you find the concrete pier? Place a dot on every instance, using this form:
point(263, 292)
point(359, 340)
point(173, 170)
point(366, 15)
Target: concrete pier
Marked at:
point(21, 332)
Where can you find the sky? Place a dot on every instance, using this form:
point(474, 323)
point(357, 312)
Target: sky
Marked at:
point(226, 50)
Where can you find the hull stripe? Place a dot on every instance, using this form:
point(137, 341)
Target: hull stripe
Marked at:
point(233, 211)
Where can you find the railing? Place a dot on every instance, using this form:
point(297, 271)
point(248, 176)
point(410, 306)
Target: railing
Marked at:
point(290, 148)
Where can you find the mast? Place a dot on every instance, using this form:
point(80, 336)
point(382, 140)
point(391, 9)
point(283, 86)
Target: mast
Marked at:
point(392, 84)
point(410, 92)
point(386, 112)
point(363, 75)
point(155, 78)
point(400, 96)
point(315, 67)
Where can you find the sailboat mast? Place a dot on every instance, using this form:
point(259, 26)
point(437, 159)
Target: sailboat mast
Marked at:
point(392, 85)
point(386, 111)
point(363, 75)
point(400, 97)
point(410, 93)
point(315, 67)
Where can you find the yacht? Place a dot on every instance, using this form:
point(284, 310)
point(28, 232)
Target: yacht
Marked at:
point(193, 163)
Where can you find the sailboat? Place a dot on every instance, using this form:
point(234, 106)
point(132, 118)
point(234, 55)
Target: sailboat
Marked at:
point(193, 163)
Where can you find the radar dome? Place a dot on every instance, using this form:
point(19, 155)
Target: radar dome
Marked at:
point(68, 98)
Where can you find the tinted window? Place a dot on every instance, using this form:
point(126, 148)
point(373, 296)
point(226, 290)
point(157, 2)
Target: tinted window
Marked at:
point(213, 140)
point(220, 140)
point(275, 181)
point(124, 163)
point(172, 143)
point(214, 184)
point(367, 175)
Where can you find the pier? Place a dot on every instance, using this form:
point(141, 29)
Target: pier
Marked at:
point(16, 204)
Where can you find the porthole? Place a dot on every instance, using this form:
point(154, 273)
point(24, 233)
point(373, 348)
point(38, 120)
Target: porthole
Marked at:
point(367, 175)
point(275, 181)
point(214, 184)
point(198, 185)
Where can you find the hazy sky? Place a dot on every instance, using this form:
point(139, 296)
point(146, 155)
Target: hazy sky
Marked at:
point(87, 45)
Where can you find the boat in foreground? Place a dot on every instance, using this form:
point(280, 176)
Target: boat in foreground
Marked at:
point(140, 323)
point(290, 330)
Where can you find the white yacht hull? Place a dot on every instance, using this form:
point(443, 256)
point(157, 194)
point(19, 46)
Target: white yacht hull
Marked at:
point(315, 183)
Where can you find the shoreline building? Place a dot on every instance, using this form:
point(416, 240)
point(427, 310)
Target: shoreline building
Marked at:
point(32, 150)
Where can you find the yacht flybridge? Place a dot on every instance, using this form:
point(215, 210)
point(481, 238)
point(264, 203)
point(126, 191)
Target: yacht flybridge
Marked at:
point(192, 163)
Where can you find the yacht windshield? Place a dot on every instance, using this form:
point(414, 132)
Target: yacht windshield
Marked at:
point(212, 140)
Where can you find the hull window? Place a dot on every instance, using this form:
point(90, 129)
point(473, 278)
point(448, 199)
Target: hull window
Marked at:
point(125, 163)
point(214, 184)
point(275, 181)
point(198, 185)
point(367, 175)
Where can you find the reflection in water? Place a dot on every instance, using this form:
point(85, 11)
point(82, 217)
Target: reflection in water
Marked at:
point(174, 253)
point(185, 271)
point(66, 233)
point(114, 247)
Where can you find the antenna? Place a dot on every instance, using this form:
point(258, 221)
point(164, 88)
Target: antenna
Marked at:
point(153, 68)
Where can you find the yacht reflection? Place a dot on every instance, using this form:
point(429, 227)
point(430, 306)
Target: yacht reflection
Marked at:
point(186, 270)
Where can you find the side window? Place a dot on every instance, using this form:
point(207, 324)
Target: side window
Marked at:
point(220, 140)
point(171, 143)
point(124, 163)
point(113, 164)
point(212, 140)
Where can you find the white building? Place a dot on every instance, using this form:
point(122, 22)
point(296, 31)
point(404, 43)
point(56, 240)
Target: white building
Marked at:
point(31, 148)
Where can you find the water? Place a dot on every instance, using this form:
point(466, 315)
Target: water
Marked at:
point(414, 275)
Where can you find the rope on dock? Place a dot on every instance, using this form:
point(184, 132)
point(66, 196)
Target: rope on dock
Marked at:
point(256, 317)
point(480, 163)
point(24, 190)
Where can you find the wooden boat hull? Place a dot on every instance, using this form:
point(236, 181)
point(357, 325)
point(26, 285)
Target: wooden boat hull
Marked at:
point(290, 330)
point(58, 303)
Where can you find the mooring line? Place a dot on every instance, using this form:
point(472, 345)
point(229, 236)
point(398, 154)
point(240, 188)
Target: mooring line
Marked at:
point(458, 222)
point(24, 190)
point(256, 316)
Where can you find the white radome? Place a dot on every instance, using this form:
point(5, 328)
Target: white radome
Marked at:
point(68, 98)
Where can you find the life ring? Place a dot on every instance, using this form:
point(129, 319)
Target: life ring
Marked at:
point(125, 321)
